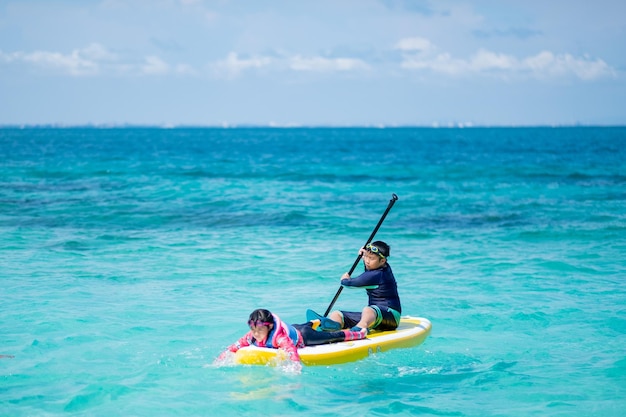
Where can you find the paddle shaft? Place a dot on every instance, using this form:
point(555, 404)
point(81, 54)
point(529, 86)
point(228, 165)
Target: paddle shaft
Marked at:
point(394, 198)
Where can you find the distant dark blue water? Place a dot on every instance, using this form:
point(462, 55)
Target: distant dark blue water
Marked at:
point(130, 257)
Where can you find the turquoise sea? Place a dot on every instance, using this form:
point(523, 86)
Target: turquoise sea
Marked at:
point(131, 257)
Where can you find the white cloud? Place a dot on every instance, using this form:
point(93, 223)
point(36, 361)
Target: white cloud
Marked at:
point(321, 64)
point(94, 60)
point(414, 44)
point(485, 60)
point(155, 66)
point(98, 52)
point(418, 54)
point(548, 64)
point(84, 61)
point(232, 65)
point(543, 65)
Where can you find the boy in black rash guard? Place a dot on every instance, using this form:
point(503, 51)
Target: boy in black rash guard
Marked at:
point(383, 309)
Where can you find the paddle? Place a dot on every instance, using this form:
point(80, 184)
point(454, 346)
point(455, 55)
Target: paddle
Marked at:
point(394, 198)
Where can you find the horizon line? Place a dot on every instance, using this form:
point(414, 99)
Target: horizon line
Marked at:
point(296, 126)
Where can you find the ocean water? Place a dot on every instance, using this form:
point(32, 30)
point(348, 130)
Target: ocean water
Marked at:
point(131, 257)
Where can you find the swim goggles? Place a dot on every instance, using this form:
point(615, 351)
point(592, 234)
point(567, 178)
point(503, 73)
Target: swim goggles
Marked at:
point(257, 323)
point(375, 249)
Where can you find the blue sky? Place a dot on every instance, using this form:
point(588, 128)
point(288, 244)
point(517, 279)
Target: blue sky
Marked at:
point(292, 63)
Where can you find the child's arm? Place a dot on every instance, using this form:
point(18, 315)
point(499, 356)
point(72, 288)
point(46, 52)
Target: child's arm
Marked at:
point(368, 279)
point(245, 340)
point(285, 343)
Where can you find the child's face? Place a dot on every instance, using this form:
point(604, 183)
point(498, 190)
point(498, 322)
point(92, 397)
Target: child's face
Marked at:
point(372, 260)
point(260, 332)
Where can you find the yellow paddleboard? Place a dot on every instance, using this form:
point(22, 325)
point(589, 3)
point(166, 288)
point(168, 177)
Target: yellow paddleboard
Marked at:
point(411, 332)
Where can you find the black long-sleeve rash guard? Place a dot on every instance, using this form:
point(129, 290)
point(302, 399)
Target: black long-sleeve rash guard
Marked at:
point(380, 285)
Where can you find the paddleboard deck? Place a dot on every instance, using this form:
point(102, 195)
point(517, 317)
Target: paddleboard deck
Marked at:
point(412, 331)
